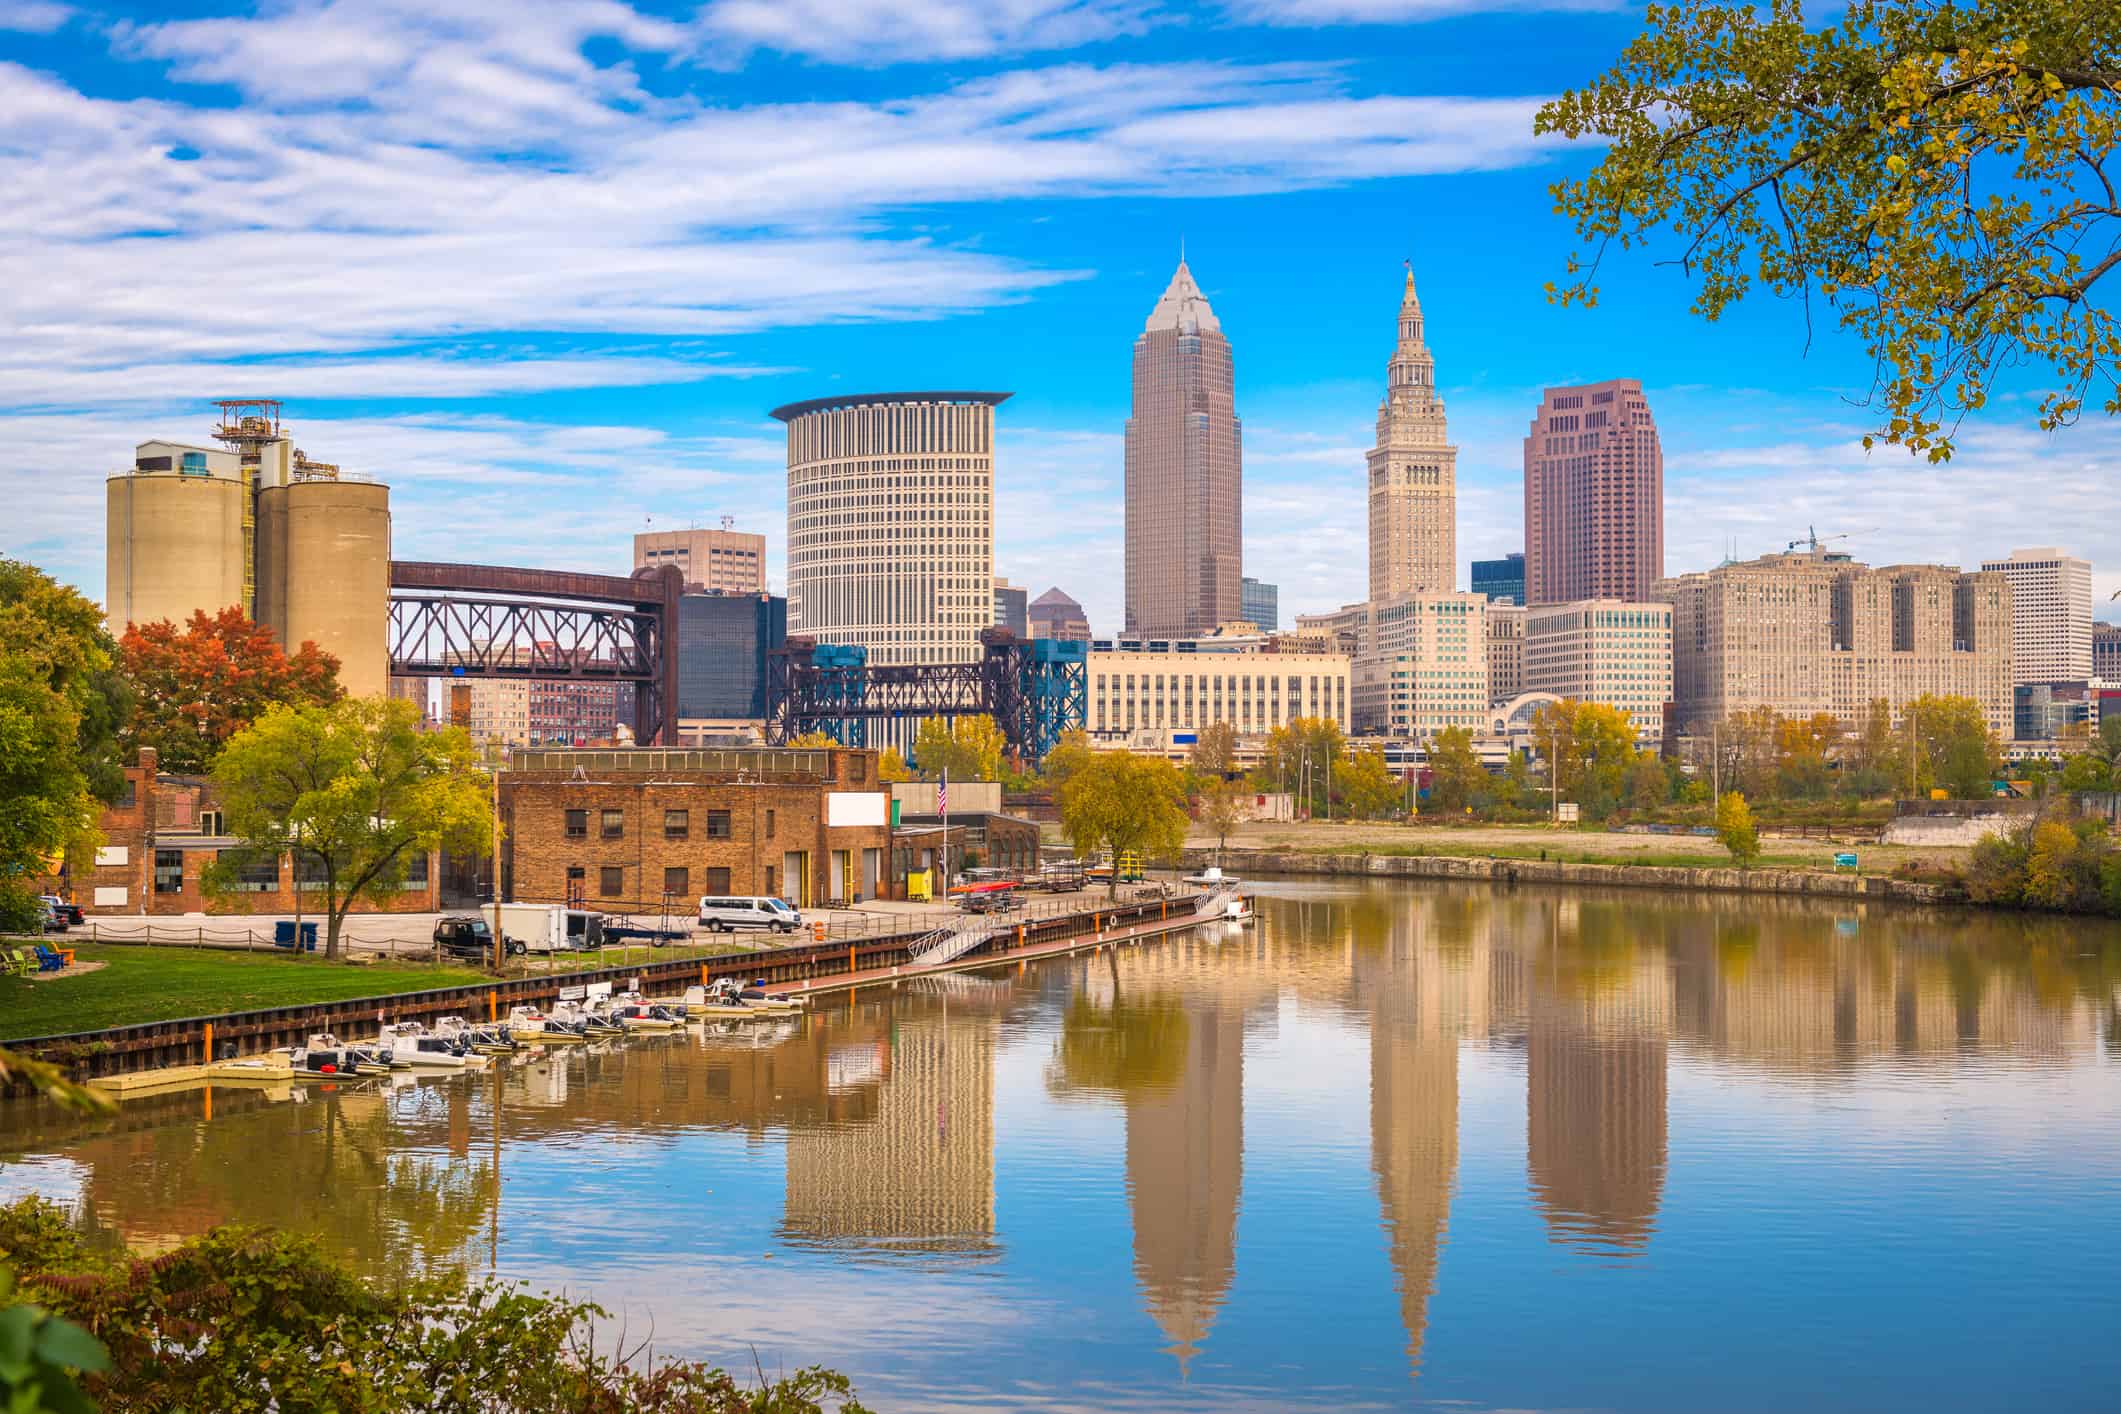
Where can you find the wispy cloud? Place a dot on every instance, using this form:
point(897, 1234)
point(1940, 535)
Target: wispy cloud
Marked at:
point(875, 32)
point(33, 16)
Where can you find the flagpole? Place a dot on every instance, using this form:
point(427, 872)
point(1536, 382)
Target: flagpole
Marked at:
point(942, 803)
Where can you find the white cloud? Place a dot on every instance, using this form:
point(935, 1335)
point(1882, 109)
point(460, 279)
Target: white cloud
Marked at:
point(876, 32)
point(33, 16)
point(1395, 12)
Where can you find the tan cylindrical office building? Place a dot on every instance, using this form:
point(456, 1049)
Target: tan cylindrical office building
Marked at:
point(331, 586)
point(891, 523)
point(173, 544)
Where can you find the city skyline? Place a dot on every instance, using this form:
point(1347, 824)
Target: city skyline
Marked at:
point(459, 358)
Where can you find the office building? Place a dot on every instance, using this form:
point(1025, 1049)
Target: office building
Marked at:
point(1505, 651)
point(1593, 496)
point(731, 561)
point(1183, 685)
point(1810, 632)
point(255, 524)
point(891, 523)
point(1413, 472)
point(723, 640)
point(1184, 472)
point(1054, 615)
point(2106, 653)
point(1501, 580)
point(1012, 608)
point(2051, 711)
point(1262, 604)
point(2051, 614)
point(1606, 651)
point(1420, 662)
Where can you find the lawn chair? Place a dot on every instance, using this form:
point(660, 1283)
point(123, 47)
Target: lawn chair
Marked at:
point(15, 963)
point(49, 960)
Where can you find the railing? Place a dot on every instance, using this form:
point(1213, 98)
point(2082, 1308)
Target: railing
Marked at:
point(950, 944)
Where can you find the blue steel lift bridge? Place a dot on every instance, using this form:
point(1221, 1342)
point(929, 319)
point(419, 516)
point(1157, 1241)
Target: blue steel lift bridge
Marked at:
point(1034, 689)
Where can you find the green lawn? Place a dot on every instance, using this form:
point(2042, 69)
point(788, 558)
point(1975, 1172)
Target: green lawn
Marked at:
point(161, 984)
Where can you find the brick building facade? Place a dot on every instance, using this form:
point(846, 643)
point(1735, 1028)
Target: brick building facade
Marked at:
point(625, 830)
point(163, 834)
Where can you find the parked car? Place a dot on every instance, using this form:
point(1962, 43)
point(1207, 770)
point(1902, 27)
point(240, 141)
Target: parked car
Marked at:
point(69, 912)
point(53, 921)
point(721, 915)
point(467, 936)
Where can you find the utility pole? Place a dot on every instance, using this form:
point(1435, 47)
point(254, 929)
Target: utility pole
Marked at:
point(1715, 762)
point(500, 946)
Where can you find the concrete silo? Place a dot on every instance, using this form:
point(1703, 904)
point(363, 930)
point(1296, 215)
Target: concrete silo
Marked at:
point(329, 575)
point(174, 535)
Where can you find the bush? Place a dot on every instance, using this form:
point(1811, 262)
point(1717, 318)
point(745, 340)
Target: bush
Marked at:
point(2054, 863)
point(244, 1318)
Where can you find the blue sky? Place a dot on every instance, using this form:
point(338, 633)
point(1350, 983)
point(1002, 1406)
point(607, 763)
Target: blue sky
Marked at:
point(544, 267)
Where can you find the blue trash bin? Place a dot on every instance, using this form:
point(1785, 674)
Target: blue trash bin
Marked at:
point(283, 935)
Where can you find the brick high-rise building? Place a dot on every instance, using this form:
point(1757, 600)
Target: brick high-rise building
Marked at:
point(731, 561)
point(1593, 495)
point(1413, 473)
point(2051, 614)
point(1184, 471)
point(1805, 633)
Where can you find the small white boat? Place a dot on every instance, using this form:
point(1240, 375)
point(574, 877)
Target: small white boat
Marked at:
point(412, 1044)
point(1211, 876)
point(1238, 912)
point(645, 1016)
point(481, 1040)
point(724, 999)
point(325, 1056)
point(531, 1025)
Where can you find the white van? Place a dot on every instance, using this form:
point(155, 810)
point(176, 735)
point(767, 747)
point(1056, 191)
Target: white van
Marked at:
point(722, 915)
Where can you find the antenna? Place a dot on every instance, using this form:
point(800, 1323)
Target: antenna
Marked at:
point(728, 523)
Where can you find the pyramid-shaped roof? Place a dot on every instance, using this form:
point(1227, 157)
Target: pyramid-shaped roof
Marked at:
point(1183, 307)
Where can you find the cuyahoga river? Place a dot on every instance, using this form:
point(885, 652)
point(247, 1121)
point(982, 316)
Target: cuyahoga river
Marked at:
point(1398, 1145)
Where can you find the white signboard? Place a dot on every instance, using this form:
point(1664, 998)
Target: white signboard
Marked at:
point(855, 807)
point(112, 855)
point(1566, 813)
point(595, 990)
point(575, 993)
point(110, 898)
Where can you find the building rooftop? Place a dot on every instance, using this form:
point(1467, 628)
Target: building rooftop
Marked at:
point(789, 412)
point(1183, 307)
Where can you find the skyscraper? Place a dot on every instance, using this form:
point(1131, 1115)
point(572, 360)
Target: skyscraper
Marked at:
point(1262, 604)
point(1413, 473)
point(1185, 471)
point(1593, 495)
point(725, 559)
point(2051, 614)
point(891, 523)
point(1501, 579)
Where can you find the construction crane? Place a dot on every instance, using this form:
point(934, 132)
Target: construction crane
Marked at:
point(1813, 540)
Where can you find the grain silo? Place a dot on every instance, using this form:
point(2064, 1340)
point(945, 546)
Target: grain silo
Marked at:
point(333, 585)
point(174, 535)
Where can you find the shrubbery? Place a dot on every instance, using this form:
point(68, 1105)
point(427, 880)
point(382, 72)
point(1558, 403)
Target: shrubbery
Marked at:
point(2050, 862)
point(250, 1319)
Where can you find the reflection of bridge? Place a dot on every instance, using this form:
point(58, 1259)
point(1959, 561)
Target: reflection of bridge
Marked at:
point(492, 621)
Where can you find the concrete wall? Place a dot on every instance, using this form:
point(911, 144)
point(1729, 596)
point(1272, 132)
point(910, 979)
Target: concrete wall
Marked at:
point(966, 797)
point(1946, 831)
point(1538, 871)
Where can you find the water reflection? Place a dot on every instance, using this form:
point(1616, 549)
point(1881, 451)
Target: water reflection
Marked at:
point(1074, 1141)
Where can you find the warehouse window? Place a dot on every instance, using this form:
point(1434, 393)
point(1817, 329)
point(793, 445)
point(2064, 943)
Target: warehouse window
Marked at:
point(578, 824)
point(677, 882)
point(718, 825)
point(169, 871)
point(611, 880)
point(769, 824)
point(614, 824)
point(717, 881)
point(677, 824)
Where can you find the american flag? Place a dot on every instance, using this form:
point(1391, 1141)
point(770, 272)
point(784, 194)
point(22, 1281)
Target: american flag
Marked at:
point(942, 794)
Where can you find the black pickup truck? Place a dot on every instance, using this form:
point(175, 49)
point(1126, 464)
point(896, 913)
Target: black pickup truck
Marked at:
point(467, 936)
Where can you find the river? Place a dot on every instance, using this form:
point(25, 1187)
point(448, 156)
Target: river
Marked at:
point(1398, 1145)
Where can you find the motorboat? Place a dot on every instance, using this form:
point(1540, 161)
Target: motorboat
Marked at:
point(724, 999)
point(481, 1040)
point(1211, 877)
point(528, 1024)
point(645, 1016)
point(597, 1019)
point(1237, 913)
point(412, 1044)
point(326, 1056)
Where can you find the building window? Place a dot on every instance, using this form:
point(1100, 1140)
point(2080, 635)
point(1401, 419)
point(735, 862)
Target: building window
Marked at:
point(416, 872)
point(718, 825)
point(611, 880)
point(128, 797)
point(577, 881)
point(677, 824)
point(259, 877)
point(769, 881)
point(578, 824)
point(614, 824)
point(169, 871)
point(769, 824)
point(677, 882)
point(717, 881)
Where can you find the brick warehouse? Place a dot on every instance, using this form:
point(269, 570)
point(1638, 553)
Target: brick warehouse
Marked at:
point(627, 829)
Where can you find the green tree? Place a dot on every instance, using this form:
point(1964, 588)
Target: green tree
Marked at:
point(1220, 806)
point(1589, 748)
point(964, 748)
point(1648, 784)
point(1365, 786)
point(1930, 171)
point(1456, 776)
point(1734, 828)
point(1214, 755)
point(1953, 746)
point(1298, 758)
point(1125, 804)
point(197, 686)
point(1872, 762)
point(355, 790)
point(58, 758)
point(1068, 755)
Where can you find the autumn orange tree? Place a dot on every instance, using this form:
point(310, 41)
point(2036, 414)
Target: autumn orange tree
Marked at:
point(197, 686)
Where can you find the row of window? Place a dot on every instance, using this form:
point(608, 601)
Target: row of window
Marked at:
point(263, 876)
point(677, 881)
point(677, 824)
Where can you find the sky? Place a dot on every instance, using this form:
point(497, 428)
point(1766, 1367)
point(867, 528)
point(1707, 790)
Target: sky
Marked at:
point(543, 268)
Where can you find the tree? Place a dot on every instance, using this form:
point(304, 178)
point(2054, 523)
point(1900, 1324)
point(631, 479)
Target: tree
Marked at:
point(1299, 756)
point(1872, 760)
point(1589, 748)
point(964, 748)
point(1068, 755)
point(195, 687)
point(57, 758)
point(816, 739)
point(1648, 784)
point(1126, 804)
point(354, 790)
point(1932, 171)
point(1734, 828)
point(1214, 752)
point(1455, 773)
point(1365, 786)
point(1802, 748)
point(1953, 746)
point(1221, 807)
point(891, 767)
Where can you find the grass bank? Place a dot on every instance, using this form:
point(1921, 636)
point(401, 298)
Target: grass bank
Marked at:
point(141, 984)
